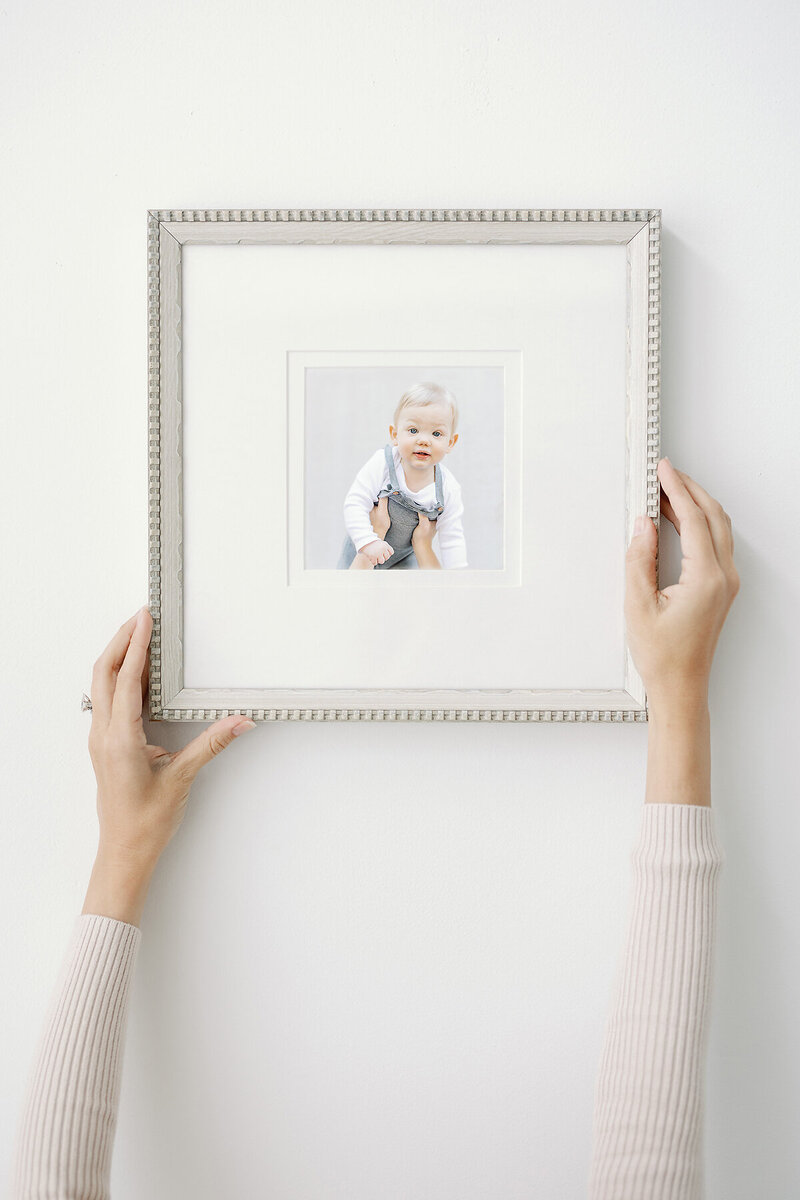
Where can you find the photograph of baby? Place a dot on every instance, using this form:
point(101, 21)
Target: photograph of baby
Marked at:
point(416, 479)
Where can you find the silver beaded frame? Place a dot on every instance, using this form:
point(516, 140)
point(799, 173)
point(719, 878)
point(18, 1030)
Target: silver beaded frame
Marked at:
point(168, 230)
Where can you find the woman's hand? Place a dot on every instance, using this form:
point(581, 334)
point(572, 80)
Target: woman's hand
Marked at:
point(379, 517)
point(422, 544)
point(673, 632)
point(424, 533)
point(142, 790)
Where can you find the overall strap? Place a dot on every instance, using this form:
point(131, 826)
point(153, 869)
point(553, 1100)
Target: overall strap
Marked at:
point(390, 465)
point(437, 475)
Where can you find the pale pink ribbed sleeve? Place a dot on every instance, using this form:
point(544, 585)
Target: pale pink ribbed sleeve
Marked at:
point(647, 1142)
point(648, 1106)
point(69, 1118)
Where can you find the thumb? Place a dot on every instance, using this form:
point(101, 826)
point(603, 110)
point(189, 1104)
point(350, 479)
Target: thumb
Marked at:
point(209, 744)
point(640, 562)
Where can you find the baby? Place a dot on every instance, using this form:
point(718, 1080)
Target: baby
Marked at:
point(416, 496)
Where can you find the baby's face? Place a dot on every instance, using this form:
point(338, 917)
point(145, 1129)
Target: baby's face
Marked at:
point(423, 435)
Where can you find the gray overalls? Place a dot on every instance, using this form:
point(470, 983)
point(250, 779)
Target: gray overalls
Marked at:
point(404, 516)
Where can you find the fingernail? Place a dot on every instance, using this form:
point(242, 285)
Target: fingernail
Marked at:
point(667, 460)
point(140, 615)
point(242, 727)
point(638, 526)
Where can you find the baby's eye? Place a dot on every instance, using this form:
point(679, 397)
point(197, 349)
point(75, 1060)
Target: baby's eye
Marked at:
point(412, 429)
point(437, 433)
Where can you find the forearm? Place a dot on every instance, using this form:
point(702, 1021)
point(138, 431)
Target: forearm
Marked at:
point(426, 557)
point(648, 1117)
point(118, 886)
point(66, 1134)
point(679, 749)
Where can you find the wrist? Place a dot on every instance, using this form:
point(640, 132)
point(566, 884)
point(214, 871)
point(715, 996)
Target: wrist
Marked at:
point(679, 752)
point(119, 884)
point(674, 705)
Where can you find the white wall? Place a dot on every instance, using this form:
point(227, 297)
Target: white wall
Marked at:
point(348, 987)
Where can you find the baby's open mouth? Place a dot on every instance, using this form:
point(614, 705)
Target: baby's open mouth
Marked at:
point(422, 454)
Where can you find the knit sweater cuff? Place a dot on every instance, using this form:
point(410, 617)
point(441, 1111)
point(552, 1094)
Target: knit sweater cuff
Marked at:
point(678, 835)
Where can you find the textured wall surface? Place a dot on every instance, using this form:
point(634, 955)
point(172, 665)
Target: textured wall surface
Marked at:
point(412, 931)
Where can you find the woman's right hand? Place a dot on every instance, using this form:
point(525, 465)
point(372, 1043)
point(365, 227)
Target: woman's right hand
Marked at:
point(673, 632)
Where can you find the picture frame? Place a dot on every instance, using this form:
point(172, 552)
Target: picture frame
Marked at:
point(265, 326)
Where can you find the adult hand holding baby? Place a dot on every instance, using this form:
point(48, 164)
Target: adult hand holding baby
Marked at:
point(424, 533)
point(379, 517)
point(422, 544)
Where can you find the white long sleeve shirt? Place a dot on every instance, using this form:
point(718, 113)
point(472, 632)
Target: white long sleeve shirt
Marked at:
point(648, 1116)
point(452, 548)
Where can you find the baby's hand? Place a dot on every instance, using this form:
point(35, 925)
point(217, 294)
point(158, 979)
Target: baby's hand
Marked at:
point(377, 552)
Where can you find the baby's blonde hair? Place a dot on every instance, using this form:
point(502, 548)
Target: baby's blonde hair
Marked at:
point(427, 393)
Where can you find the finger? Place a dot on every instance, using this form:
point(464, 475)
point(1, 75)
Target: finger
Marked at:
point(719, 522)
point(126, 705)
point(146, 675)
point(641, 585)
point(105, 670)
point(696, 542)
point(707, 502)
point(669, 512)
point(207, 745)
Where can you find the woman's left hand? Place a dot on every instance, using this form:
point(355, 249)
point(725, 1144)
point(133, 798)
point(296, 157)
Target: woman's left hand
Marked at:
point(424, 533)
point(142, 790)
